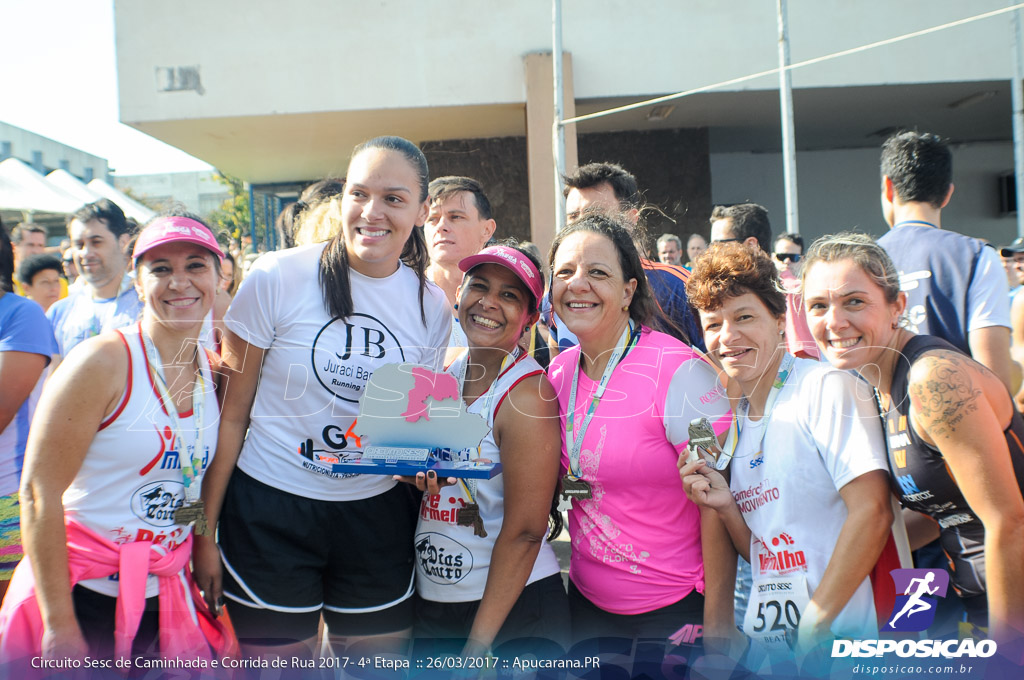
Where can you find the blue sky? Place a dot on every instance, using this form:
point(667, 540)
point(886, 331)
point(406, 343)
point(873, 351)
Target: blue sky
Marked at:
point(58, 79)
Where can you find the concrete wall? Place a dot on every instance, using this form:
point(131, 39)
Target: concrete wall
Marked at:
point(672, 171)
point(499, 164)
point(46, 155)
point(841, 189)
point(253, 57)
point(671, 167)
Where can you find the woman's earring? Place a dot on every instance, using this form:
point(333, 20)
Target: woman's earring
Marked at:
point(456, 306)
point(625, 308)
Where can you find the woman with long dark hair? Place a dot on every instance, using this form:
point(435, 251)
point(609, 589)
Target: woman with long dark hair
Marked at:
point(627, 395)
point(309, 326)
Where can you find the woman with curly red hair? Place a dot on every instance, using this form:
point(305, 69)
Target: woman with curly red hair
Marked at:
point(801, 482)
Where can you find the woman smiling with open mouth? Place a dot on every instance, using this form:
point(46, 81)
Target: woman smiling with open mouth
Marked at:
point(955, 449)
point(626, 397)
point(305, 331)
point(806, 501)
point(509, 586)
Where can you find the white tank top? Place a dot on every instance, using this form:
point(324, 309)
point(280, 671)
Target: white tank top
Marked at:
point(451, 561)
point(130, 481)
point(207, 334)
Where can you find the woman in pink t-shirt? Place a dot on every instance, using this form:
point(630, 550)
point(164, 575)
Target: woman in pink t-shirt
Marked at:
point(626, 397)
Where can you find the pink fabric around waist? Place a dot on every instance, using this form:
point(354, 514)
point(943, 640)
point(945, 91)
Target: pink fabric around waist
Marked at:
point(93, 556)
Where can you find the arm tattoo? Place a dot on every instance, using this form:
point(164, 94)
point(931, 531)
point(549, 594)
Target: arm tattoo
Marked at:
point(946, 394)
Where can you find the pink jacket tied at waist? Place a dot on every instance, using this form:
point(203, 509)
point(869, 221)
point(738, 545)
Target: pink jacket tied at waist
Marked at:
point(93, 556)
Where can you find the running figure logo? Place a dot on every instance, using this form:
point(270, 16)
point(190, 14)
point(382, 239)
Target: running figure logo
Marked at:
point(915, 607)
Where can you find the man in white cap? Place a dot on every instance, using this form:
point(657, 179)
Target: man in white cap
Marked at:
point(1013, 261)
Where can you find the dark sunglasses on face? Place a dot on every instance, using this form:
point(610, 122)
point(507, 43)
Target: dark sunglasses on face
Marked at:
point(787, 257)
point(725, 240)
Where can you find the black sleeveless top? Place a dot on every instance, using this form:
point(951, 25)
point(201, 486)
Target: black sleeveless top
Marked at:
point(923, 482)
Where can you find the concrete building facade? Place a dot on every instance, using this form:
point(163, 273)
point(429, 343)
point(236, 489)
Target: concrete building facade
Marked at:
point(199, 192)
point(45, 155)
point(279, 97)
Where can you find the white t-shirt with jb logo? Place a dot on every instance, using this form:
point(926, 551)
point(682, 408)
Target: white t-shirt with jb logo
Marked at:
point(316, 368)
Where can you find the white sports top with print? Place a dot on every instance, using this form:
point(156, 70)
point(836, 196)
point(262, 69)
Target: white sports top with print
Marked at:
point(451, 561)
point(823, 432)
point(316, 368)
point(130, 481)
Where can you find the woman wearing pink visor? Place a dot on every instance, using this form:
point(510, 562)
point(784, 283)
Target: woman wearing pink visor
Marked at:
point(627, 396)
point(122, 436)
point(508, 585)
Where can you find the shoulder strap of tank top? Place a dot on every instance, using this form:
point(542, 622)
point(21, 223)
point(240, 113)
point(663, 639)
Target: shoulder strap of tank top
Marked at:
point(915, 347)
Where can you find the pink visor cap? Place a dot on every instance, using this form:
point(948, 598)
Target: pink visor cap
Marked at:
point(164, 230)
point(510, 258)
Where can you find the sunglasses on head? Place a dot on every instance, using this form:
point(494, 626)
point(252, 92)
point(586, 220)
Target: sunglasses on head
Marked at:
point(787, 257)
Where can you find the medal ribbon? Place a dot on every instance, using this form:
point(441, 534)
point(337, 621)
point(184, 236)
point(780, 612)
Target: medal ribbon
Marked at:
point(507, 363)
point(191, 467)
point(785, 368)
point(574, 440)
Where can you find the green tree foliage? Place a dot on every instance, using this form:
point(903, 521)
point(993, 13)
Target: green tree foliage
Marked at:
point(233, 215)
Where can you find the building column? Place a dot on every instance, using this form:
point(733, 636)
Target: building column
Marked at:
point(540, 164)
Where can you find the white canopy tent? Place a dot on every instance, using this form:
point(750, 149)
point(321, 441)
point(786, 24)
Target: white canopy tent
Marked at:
point(129, 205)
point(25, 190)
point(74, 186)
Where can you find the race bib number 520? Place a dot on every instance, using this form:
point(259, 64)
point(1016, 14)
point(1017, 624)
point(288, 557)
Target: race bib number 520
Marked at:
point(773, 613)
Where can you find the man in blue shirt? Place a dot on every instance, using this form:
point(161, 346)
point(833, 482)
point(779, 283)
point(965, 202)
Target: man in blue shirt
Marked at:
point(108, 300)
point(26, 344)
point(956, 288)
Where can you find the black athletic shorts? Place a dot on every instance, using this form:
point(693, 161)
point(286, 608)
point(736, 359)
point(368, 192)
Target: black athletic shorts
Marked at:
point(294, 556)
point(541, 613)
point(96, 614)
point(590, 621)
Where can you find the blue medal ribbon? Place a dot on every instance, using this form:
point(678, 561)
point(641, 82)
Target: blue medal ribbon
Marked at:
point(191, 466)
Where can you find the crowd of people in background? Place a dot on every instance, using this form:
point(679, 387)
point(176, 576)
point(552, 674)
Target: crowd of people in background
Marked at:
point(715, 421)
